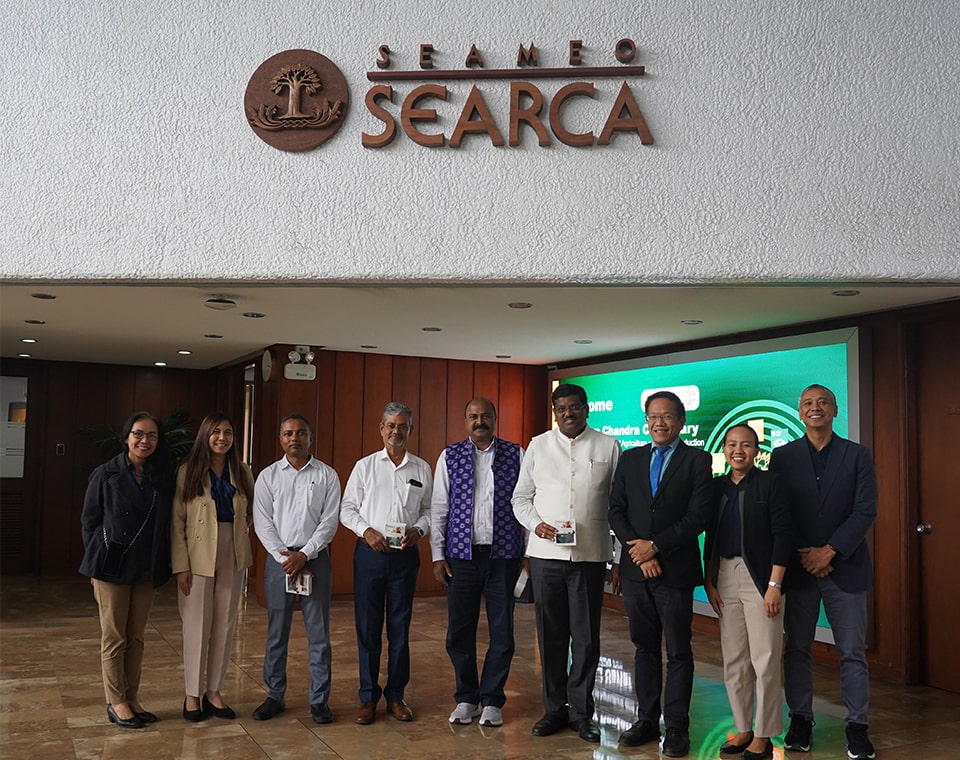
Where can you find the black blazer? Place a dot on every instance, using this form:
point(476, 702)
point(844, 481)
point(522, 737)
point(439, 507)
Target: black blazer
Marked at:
point(766, 537)
point(673, 519)
point(114, 501)
point(840, 512)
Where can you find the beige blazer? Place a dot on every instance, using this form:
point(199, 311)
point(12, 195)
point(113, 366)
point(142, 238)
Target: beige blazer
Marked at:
point(193, 530)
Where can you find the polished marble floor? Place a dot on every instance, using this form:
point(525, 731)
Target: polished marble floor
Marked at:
point(52, 705)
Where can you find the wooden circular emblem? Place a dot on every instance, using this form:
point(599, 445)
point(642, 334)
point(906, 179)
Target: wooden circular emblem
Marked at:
point(296, 100)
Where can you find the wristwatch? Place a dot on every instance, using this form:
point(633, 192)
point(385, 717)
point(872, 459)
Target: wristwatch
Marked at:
point(774, 584)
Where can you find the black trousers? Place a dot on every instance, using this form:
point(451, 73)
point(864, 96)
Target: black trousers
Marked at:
point(569, 597)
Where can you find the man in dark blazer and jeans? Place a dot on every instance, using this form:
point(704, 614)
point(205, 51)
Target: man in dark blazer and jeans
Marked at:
point(659, 505)
point(833, 500)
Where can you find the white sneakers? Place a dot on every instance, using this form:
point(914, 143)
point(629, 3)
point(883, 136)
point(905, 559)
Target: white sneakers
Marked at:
point(491, 716)
point(466, 712)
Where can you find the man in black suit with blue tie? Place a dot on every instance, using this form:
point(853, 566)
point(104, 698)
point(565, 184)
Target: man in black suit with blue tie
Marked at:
point(833, 500)
point(659, 505)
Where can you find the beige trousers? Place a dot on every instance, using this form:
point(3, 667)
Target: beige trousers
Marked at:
point(123, 618)
point(209, 616)
point(752, 646)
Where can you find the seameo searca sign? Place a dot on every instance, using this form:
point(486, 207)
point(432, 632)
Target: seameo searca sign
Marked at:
point(298, 99)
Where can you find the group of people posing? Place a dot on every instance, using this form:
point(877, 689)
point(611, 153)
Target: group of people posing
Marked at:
point(777, 543)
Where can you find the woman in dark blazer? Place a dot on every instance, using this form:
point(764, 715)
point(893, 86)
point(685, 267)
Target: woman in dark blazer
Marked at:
point(747, 548)
point(126, 537)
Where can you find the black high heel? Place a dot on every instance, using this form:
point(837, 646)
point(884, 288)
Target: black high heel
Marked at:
point(133, 722)
point(194, 716)
point(211, 709)
point(764, 754)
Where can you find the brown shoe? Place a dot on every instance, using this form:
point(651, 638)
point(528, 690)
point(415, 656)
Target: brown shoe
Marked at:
point(367, 713)
point(400, 710)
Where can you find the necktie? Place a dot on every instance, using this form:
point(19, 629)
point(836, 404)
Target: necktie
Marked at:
point(656, 468)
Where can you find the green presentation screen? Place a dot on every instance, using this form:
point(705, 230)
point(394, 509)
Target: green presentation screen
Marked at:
point(754, 383)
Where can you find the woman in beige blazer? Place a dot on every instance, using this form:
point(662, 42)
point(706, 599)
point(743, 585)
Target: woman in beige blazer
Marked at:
point(210, 548)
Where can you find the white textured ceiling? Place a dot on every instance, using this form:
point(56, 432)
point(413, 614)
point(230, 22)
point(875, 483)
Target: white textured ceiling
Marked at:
point(142, 324)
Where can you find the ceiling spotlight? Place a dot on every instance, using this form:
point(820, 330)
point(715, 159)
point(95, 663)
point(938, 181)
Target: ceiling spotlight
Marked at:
point(159, 364)
point(503, 356)
point(846, 293)
point(253, 315)
point(583, 342)
point(691, 321)
point(367, 346)
point(43, 296)
point(220, 303)
point(35, 321)
point(520, 305)
point(431, 329)
point(212, 335)
point(24, 356)
point(184, 352)
point(28, 340)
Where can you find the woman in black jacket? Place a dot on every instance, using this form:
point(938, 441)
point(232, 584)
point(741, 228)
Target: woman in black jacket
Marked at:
point(126, 537)
point(748, 545)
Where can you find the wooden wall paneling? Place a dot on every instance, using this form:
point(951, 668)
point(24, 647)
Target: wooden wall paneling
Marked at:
point(148, 390)
point(348, 448)
point(377, 393)
point(510, 406)
point(323, 441)
point(433, 422)
point(460, 385)
point(486, 381)
point(121, 395)
point(536, 403)
point(407, 389)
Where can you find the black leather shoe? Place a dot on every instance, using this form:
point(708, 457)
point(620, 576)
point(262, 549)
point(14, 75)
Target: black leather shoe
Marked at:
point(211, 709)
point(133, 722)
point(146, 717)
point(269, 709)
point(550, 723)
point(735, 749)
point(676, 742)
point(763, 755)
point(320, 712)
point(587, 730)
point(641, 732)
point(194, 716)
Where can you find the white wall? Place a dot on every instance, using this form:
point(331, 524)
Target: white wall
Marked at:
point(794, 140)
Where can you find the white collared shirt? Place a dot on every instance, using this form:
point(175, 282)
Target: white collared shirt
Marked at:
point(296, 507)
point(378, 492)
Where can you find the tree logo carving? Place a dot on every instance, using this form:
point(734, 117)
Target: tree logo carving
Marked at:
point(296, 100)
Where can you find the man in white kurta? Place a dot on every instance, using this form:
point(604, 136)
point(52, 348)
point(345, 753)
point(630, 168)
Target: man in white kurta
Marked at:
point(561, 498)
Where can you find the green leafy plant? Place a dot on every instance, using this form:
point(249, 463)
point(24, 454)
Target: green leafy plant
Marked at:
point(177, 428)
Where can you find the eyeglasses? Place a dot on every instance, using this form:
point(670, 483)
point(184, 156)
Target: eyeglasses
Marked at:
point(140, 435)
point(403, 427)
point(668, 418)
point(572, 408)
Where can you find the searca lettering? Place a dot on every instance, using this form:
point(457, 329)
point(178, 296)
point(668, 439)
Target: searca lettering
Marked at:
point(527, 106)
point(530, 107)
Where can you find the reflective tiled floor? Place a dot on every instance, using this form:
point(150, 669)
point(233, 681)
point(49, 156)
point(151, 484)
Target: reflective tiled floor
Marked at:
point(52, 705)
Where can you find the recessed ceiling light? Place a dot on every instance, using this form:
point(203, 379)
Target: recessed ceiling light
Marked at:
point(520, 305)
point(212, 335)
point(691, 321)
point(24, 356)
point(583, 342)
point(28, 340)
point(184, 352)
point(503, 356)
point(220, 303)
point(253, 315)
point(159, 364)
point(43, 296)
point(846, 293)
point(367, 346)
point(35, 321)
point(431, 329)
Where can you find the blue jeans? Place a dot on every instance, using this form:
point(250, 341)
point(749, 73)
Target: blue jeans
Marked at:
point(384, 582)
point(316, 620)
point(472, 579)
point(847, 614)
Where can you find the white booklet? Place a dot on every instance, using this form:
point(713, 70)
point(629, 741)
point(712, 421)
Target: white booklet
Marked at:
point(566, 532)
point(393, 533)
point(301, 585)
